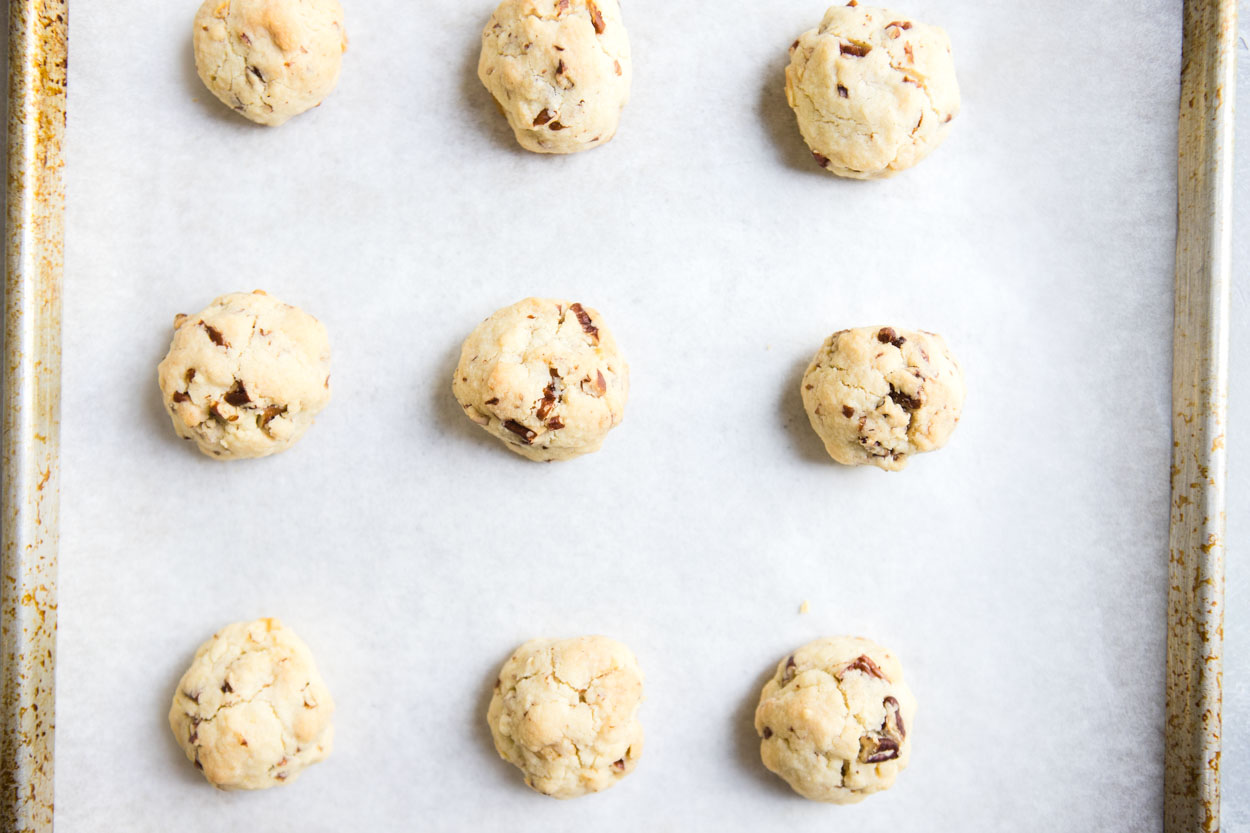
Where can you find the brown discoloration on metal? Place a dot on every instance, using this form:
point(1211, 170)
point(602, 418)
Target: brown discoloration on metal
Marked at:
point(1199, 397)
point(32, 370)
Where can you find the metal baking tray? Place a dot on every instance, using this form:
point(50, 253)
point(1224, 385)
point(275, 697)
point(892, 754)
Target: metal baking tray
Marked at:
point(31, 388)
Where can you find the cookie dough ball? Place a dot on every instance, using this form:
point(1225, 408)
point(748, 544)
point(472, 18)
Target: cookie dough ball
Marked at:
point(835, 721)
point(544, 376)
point(877, 395)
point(559, 70)
point(252, 712)
point(245, 376)
point(874, 90)
point(269, 59)
point(565, 712)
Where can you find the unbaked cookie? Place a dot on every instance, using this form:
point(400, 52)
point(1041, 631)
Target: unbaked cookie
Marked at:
point(565, 711)
point(877, 395)
point(269, 59)
point(252, 712)
point(559, 71)
point(874, 90)
point(245, 376)
point(835, 721)
point(544, 376)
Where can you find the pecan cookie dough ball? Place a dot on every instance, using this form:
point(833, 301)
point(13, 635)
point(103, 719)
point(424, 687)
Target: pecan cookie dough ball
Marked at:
point(252, 712)
point(559, 70)
point(246, 375)
point(565, 712)
point(874, 91)
point(544, 376)
point(835, 720)
point(269, 59)
point(877, 395)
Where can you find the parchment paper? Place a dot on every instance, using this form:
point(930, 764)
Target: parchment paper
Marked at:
point(1020, 573)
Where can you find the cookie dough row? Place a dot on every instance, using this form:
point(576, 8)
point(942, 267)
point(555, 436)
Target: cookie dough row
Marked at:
point(834, 721)
point(246, 376)
point(874, 91)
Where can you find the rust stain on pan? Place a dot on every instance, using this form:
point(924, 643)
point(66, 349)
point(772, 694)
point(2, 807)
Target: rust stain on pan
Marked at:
point(1195, 641)
point(31, 435)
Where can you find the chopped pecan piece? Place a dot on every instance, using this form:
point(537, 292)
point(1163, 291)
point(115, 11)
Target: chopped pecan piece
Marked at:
point(265, 417)
point(768, 733)
point(179, 396)
point(821, 159)
point(583, 318)
point(788, 674)
point(901, 24)
point(237, 395)
point(619, 766)
point(848, 411)
point(190, 376)
point(596, 17)
point(858, 50)
point(555, 125)
point(893, 725)
point(551, 394)
point(864, 665)
point(874, 749)
point(843, 91)
point(214, 335)
point(887, 335)
point(527, 436)
point(543, 117)
point(909, 403)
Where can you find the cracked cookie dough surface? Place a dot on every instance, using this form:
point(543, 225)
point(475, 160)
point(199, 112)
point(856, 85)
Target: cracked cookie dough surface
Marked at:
point(245, 376)
point(559, 70)
point(269, 59)
point(565, 712)
point(252, 712)
point(877, 395)
point(545, 376)
point(874, 91)
point(835, 720)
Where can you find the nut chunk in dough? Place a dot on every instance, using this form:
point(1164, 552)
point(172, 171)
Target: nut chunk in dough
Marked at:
point(877, 395)
point(544, 376)
point(245, 376)
point(269, 59)
point(252, 712)
point(874, 90)
point(835, 721)
point(565, 712)
point(559, 70)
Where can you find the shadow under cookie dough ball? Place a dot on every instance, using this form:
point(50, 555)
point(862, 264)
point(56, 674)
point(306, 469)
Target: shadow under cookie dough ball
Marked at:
point(269, 60)
point(877, 395)
point(874, 91)
point(835, 721)
point(559, 71)
point(545, 376)
point(252, 712)
point(565, 712)
point(245, 376)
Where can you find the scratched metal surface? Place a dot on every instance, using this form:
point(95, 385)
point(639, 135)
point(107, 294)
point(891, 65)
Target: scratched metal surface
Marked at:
point(1199, 400)
point(31, 383)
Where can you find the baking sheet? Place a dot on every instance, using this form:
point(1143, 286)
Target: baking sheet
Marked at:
point(1020, 573)
point(1235, 762)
